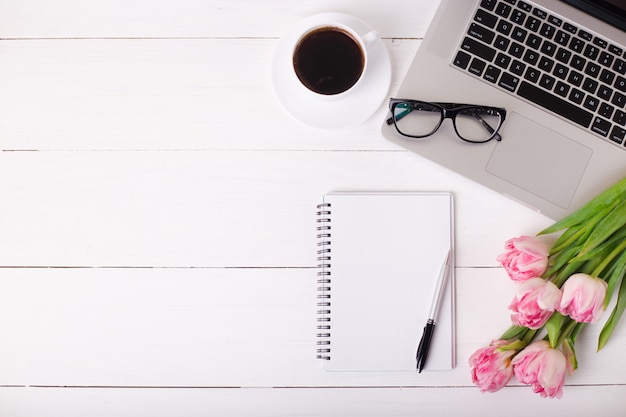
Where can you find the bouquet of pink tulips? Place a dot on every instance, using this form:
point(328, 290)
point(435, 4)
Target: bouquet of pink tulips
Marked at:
point(559, 290)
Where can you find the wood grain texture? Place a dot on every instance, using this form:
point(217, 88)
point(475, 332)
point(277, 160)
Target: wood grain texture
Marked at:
point(288, 402)
point(196, 18)
point(221, 327)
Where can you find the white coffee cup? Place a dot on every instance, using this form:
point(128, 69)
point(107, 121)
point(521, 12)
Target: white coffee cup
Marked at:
point(330, 57)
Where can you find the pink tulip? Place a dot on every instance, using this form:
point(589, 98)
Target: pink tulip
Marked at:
point(583, 298)
point(535, 301)
point(490, 367)
point(541, 367)
point(525, 257)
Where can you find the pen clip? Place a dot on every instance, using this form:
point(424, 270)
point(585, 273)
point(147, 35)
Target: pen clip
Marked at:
point(439, 288)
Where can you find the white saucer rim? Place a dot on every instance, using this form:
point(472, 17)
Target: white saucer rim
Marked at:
point(322, 113)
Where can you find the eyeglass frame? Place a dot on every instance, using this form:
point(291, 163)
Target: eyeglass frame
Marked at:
point(449, 111)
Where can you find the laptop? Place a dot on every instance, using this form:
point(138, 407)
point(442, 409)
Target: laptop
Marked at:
point(558, 67)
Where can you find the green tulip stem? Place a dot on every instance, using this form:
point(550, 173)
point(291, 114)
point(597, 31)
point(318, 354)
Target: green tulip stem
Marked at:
point(617, 251)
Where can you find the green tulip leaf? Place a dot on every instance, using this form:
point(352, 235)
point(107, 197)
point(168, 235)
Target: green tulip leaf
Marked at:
point(615, 316)
point(615, 275)
point(553, 326)
point(604, 200)
point(614, 221)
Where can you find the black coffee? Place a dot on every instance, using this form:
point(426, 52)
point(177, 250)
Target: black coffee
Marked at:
point(328, 61)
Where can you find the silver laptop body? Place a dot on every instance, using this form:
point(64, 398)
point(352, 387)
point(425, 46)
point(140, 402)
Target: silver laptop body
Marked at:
point(547, 161)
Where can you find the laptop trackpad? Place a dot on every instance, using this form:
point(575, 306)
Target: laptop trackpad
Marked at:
point(539, 160)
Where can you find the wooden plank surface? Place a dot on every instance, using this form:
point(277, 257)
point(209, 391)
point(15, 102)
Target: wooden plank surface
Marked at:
point(288, 402)
point(215, 208)
point(161, 94)
point(221, 327)
point(196, 18)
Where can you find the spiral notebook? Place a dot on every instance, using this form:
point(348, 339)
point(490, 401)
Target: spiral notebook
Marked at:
point(380, 255)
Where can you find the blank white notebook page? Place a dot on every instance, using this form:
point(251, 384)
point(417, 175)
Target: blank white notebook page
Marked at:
point(386, 251)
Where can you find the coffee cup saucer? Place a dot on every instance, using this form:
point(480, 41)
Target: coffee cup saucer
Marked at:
point(330, 112)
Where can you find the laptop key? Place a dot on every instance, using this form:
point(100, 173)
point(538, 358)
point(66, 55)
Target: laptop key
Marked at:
point(619, 100)
point(548, 48)
point(533, 41)
point(518, 17)
point(504, 27)
point(502, 60)
point(524, 6)
point(540, 13)
point(462, 59)
point(532, 74)
point(575, 78)
point(517, 67)
point(556, 21)
point(562, 38)
point(503, 10)
point(617, 134)
point(509, 82)
point(616, 50)
point(531, 57)
point(578, 62)
point(590, 85)
point(620, 118)
point(600, 42)
point(532, 23)
point(607, 76)
point(477, 66)
point(560, 71)
point(481, 33)
point(488, 4)
point(591, 103)
point(576, 96)
point(570, 28)
point(606, 59)
point(516, 50)
point(561, 89)
point(546, 64)
point(547, 31)
point(481, 50)
point(501, 43)
point(591, 52)
point(585, 35)
point(606, 110)
point(491, 74)
point(547, 81)
point(485, 18)
point(605, 93)
point(592, 69)
point(577, 45)
point(563, 55)
point(519, 34)
point(601, 126)
point(555, 104)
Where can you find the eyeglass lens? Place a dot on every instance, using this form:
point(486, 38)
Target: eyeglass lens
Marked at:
point(474, 124)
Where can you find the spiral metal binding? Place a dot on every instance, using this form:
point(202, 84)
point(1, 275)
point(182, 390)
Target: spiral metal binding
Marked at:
point(323, 281)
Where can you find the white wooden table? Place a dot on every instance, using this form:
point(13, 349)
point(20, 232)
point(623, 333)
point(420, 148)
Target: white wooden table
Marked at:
point(157, 216)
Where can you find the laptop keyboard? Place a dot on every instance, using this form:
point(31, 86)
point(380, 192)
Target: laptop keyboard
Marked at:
point(550, 62)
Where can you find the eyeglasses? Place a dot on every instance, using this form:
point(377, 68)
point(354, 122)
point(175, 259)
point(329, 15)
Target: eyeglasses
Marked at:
point(419, 119)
